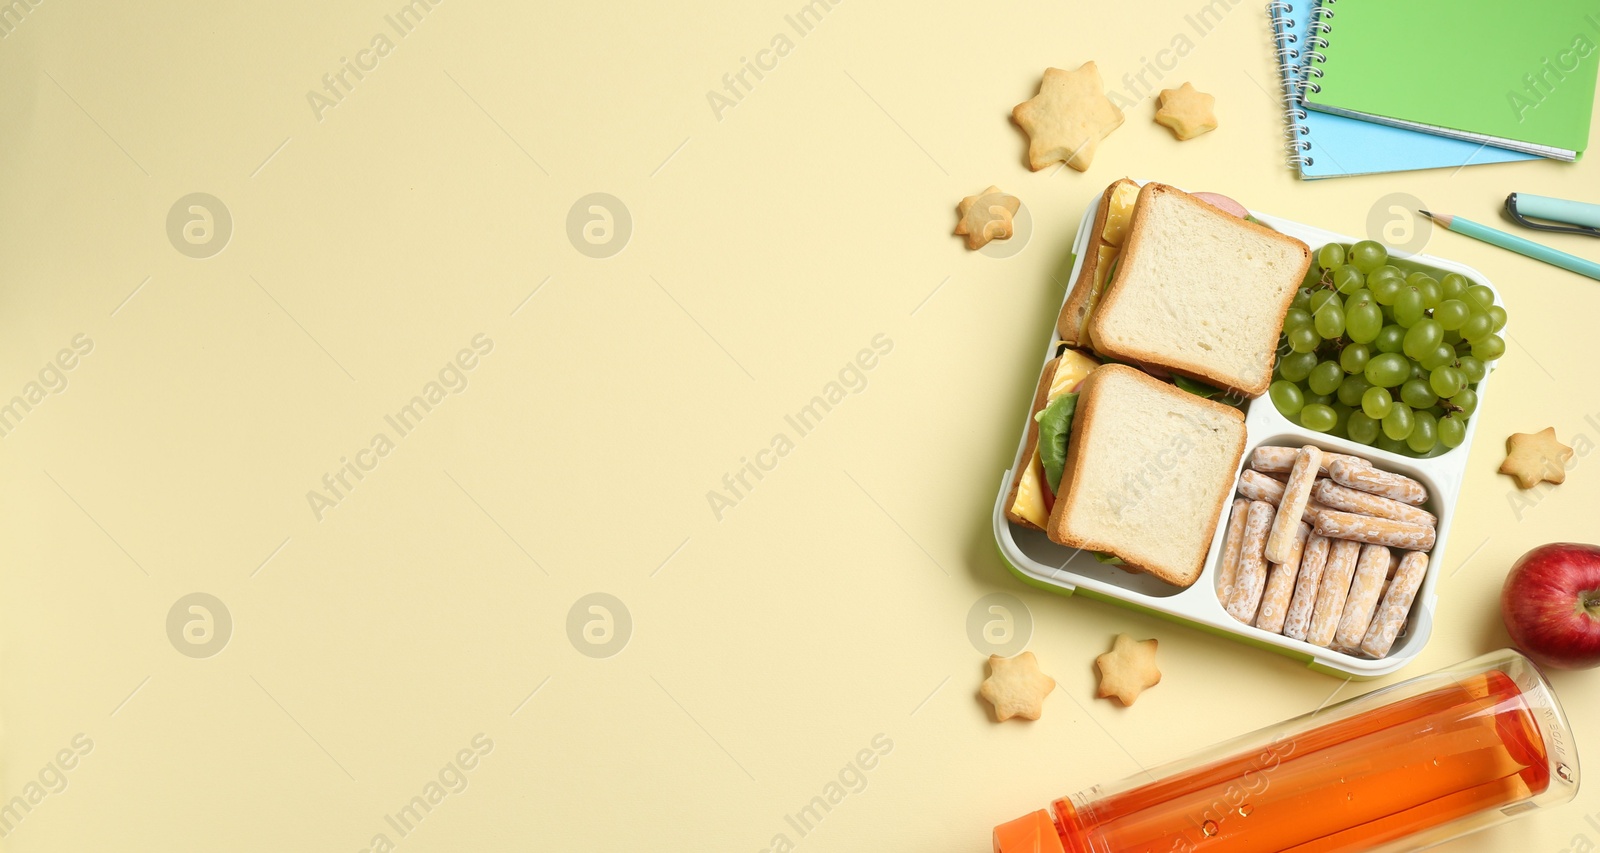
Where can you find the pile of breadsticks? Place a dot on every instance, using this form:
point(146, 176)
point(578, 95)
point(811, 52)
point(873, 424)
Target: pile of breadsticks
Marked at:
point(1324, 548)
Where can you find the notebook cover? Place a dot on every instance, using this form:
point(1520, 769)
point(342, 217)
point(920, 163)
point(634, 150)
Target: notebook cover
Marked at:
point(1336, 146)
point(1522, 72)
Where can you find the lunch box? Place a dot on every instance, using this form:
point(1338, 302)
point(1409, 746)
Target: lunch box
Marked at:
point(1032, 557)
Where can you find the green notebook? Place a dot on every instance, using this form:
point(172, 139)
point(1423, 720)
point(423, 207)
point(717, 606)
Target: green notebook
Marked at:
point(1519, 75)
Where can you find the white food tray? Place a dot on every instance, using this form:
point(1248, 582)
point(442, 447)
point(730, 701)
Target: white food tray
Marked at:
point(1038, 561)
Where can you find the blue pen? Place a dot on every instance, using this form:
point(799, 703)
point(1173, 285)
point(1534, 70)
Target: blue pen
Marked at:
point(1520, 245)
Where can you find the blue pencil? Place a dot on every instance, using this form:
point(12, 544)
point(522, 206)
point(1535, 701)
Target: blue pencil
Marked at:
point(1520, 245)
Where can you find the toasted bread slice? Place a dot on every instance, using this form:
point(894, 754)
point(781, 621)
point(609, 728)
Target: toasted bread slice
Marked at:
point(1199, 292)
point(1073, 319)
point(1149, 469)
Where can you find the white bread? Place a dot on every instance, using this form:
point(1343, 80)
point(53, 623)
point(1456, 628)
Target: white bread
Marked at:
point(1070, 321)
point(1199, 292)
point(1149, 469)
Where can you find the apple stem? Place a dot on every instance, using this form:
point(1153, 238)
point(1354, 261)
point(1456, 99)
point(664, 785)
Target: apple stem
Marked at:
point(1591, 602)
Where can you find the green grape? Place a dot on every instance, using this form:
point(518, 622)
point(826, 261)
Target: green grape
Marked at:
point(1399, 422)
point(1442, 355)
point(1387, 369)
point(1385, 290)
point(1415, 279)
point(1408, 307)
point(1389, 339)
point(1453, 285)
point(1414, 371)
point(1424, 433)
point(1287, 397)
point(1477, 327)
point(1302, 300)
point(1472, 369)
point(1331, 257)
point(1416, 394)
point(1296, 318)
point(1452, 336)
point(1391, 445)
point(1319, 399)
point(1430, 293)
point(1348, 280)
point(1303, 339)
point(1296, 366)
point(1356, 297)
point(1330, 320)
point(1452, 431)
point(1325, 378)
point(1354, 358)
point(1351, 390)
point(1341, 418)
point(1368, 255)
point(1422, 339)
point(1319, 417)
point(1451, 313)
point(1376, 402)
point(1489, 348)
point(1363, 322)
point(1446, 381)
point(1481, 296)
point(1361, 428)
point(1319, 299)
point(1498, 315)
point(1466, 401)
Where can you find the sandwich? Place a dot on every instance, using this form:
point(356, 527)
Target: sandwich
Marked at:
point(1196, 292)
point(1148, 469)
point(1099, 261)
point(1033, 488)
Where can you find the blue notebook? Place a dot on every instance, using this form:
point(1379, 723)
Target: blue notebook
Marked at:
point(1323, 145)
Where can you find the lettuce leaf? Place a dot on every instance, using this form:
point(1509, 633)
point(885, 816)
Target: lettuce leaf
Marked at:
point(1055, 426)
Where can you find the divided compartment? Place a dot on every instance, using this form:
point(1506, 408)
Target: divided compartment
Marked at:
point(1034, 559)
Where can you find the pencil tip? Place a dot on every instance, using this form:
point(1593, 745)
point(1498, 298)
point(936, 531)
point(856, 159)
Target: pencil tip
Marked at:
point(1426, 213)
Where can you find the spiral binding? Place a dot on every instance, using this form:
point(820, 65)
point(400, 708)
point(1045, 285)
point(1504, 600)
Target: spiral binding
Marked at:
point(1287, 49)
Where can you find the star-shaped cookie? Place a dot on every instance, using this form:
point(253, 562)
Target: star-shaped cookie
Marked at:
point(1187, 112)
point(1016, 687)
point(1127, 669)
point(986, 216)
point(1535, 457)
point(1068, 118)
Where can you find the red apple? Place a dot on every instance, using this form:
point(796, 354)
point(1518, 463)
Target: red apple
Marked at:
point(1551, 605)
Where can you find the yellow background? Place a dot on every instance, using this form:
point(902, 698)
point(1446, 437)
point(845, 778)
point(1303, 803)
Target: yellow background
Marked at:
point(767, 648)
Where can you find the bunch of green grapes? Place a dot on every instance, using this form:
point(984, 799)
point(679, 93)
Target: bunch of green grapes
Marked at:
point(1385, 357)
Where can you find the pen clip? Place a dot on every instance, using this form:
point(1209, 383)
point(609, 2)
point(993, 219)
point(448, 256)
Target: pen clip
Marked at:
point(1511, 209)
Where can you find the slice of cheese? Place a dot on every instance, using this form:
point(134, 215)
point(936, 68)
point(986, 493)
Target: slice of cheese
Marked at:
point(1107, 255)
point(1030, 494)
point(1119, 213)
point(1071, 369)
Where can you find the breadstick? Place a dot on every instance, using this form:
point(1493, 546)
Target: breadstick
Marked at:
point(1279, 460)
point(1312, 561)
point(1232, 541)
point(1293, 506)
point(1391, 615)
point(1372, 570)
point(1367, 503)
point(1280, 585)
point(1369, 479)
point(1332, 591)
point(1374, 531)
point(1252, 575)
point(1259, 487)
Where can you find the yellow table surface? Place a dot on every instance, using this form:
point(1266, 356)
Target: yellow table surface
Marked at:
point(381, 222)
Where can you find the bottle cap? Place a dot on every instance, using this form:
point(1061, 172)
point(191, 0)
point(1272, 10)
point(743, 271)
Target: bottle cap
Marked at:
point(1033, 833)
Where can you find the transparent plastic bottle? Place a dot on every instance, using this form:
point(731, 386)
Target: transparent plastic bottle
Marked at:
point(1401, 768)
